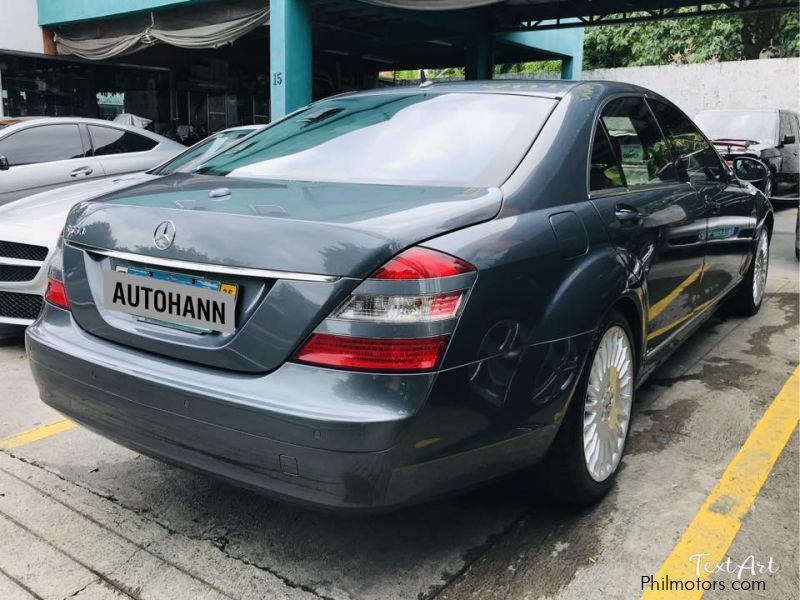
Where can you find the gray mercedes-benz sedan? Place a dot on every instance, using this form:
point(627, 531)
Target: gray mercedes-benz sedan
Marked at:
point(391, 295)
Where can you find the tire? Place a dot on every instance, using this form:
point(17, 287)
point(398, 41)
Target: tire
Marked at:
point(567, 466)
point(749, 295)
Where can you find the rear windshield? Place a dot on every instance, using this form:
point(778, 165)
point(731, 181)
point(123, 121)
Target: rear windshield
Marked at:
point(457, 139)
point(733, 125)
point(201, 151)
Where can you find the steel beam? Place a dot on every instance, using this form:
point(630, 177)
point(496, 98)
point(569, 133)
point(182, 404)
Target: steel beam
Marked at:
point(591, 14)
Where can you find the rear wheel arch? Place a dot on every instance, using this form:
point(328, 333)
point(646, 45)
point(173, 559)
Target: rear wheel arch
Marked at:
point(629, 309)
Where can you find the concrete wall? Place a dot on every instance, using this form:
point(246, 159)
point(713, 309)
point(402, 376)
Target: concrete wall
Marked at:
point(18, 28)
point(767, 83)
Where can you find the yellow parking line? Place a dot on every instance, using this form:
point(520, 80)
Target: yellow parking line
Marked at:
point(37, 433)
point(716, 524)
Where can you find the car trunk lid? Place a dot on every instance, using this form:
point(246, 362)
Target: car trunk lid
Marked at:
point(294, 250)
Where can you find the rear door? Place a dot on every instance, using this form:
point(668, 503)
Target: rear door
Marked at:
point(122, 151)
point(654, 218)
point(730, 207)
point(43, 157)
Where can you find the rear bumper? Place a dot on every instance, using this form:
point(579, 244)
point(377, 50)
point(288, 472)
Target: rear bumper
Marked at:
point(342, 441)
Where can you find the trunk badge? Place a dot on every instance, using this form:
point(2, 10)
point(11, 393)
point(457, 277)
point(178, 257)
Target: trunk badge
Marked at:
point(164, 235)
point(219, 194)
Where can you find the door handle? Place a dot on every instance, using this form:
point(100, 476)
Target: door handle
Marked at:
point(81, 172)
point(627, 215)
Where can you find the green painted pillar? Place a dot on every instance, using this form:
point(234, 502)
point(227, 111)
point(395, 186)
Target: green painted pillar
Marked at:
point(480, 56)
point(572, 64)
point(289, 55)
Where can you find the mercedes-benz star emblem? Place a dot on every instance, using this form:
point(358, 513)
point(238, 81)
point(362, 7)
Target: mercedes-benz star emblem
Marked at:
point(164, 235)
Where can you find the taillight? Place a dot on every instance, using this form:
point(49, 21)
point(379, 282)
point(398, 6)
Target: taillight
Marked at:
point(380, 308)
point(422, 263)
point(56, 294)
point(377, 303)
point(373, 354)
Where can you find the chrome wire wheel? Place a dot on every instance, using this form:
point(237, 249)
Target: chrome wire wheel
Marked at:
point(760, 268)
point(607, 412)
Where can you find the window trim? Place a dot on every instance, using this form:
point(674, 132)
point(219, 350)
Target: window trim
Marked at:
point(91, 140)
point(607, 191)
point(626, 190)
point(684, 173)
point(86, 151)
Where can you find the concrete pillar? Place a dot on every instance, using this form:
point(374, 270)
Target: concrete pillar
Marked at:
point(479, 56)
point(568, 70)
point(566, 44)
point(289, 55)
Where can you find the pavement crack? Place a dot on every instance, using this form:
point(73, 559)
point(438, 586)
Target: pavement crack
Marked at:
point(222, 547)
point(474, 555)
point(219, 542)
point(82, 588)
point(144, 514)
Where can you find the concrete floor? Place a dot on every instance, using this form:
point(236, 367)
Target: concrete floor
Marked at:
point(83, 518)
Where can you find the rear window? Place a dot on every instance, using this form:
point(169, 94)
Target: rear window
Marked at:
point(109, 140)
point(201, 151)
point(457, 139)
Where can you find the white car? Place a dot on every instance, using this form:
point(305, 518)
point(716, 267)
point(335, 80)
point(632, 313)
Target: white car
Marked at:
point(42, 153)
point(29, 227)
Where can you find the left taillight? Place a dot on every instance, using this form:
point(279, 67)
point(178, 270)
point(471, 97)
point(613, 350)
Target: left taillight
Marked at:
point(56, 293)
point(398, 298)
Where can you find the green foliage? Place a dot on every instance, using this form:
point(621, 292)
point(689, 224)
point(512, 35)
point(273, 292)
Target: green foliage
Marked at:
point(692, 40)
point(541, 66)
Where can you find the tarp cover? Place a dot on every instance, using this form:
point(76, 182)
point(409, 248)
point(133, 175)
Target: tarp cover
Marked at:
point(132, 120)
point(204, 26)
point(432, 4)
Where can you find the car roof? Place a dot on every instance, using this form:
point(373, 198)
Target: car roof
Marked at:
point(542, 88)
point(22, 122)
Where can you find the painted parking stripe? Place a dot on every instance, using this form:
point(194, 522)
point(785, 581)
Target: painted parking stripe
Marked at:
point(35, 434)
point(716, 524)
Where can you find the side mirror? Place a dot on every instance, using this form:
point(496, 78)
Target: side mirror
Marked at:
point(4, 166)
point(752, 171)
point(789, 139)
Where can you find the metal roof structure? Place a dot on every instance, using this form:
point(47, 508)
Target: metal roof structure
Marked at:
point(528, 15)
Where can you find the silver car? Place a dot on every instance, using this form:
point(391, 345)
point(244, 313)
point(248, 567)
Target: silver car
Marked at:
point(29, 227)
point(39, 153)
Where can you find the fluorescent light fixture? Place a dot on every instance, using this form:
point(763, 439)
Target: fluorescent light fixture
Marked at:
point(380, 59)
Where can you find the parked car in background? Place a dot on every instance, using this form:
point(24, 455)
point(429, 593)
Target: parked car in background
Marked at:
point(395, 294)
point(772, 136)
point(40, 153)
point(29, 227)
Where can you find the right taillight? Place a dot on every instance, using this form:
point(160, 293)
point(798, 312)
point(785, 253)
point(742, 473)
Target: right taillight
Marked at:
point(377, 303)
point(422, 263)
point(380, 308)
point(373, 354)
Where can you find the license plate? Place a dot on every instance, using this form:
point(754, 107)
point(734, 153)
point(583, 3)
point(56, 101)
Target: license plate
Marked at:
point(172, 299)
